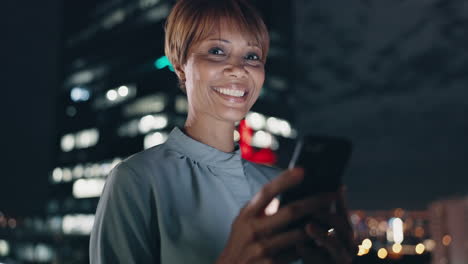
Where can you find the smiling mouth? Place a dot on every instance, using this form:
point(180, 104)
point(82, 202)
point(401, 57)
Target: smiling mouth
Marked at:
point(231, 92)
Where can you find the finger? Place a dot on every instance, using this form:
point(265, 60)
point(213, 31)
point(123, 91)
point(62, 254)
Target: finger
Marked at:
point(341, 231)
point(260, 201)
point(288, 239)
point(312, 207)
point(331, 243)
point(341, 220)
point(316, 233)
point(275, 245)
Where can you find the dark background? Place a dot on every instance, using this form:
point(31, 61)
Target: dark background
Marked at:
point(392, 76)
point(29, 49)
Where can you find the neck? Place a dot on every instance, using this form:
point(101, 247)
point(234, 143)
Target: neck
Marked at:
point(212, 132)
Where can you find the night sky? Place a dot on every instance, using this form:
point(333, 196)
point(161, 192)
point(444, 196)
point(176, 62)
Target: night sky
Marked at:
point(409, 129)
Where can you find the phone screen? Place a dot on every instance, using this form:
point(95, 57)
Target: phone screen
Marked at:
point(324, 159)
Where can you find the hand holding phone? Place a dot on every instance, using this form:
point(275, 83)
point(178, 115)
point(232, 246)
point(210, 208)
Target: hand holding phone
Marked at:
point(324, 160)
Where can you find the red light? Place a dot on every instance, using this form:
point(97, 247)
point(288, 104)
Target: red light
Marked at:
point(262, 156)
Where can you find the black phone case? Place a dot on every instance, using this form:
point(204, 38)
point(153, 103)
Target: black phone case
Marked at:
point(324, 159)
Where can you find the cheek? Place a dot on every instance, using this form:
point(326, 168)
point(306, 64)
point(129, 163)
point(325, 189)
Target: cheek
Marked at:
point(203, 73)
point(201, 76)
point(258, 78)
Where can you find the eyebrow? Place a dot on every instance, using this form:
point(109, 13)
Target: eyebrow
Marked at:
point(227, 41)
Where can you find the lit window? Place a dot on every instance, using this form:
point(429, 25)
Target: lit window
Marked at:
point(66, 175)
point(111, 95)
point(79, 224)
point(146, 124)
point(78, 171)
point(362, 250)
point(67, 143)
point(279, 127)
point(95, 170)
point(395, 230)
point(152, 122)
point(367, 243)
point(87, 138)
point(262, 139)
point(123, 91)
point(160, 122)
point(272, 125)
point(419, 249)
point(255, 120)
point(82, 139)
point(4, 248)
point(146, 105)
point(57, 175)
point(382, 253)
point(78, 94)
point(87, 171)
point(105, 169)
point(43, 253)
point(87, 188)
point(429, 244)
point(285, 128)
point(181, 104)
point(397, 225)
point(236, 135)
point(397, 248)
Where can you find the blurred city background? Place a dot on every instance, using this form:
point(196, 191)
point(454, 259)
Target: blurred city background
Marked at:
point(86, 84)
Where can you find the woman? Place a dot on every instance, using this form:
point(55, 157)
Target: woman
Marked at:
point(193, 199)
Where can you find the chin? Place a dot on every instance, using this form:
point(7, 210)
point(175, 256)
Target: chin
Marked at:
point(233, 115)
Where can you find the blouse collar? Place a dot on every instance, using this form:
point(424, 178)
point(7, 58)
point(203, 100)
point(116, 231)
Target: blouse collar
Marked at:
point(203, 153)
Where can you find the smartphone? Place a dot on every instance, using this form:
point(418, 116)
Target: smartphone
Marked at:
point(324, 159)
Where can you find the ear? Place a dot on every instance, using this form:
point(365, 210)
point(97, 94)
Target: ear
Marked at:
point(180, 72)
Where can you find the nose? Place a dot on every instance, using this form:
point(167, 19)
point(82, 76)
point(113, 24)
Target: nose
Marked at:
point(235, 68)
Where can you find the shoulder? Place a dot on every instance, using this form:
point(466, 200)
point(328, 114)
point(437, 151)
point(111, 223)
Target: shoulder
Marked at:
point(269, 171)
point(150, 161)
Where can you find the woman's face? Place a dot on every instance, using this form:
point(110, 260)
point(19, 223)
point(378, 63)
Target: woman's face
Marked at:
point(223, 75)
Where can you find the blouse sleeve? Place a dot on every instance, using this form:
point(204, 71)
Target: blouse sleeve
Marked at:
point(125, 227)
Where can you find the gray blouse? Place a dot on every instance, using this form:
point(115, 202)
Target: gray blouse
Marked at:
point(173, 203)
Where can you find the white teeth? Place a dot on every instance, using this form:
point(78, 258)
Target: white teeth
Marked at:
point(236, 93)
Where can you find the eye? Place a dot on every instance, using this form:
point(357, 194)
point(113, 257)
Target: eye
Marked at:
point(216, 51)
point(252, 56)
